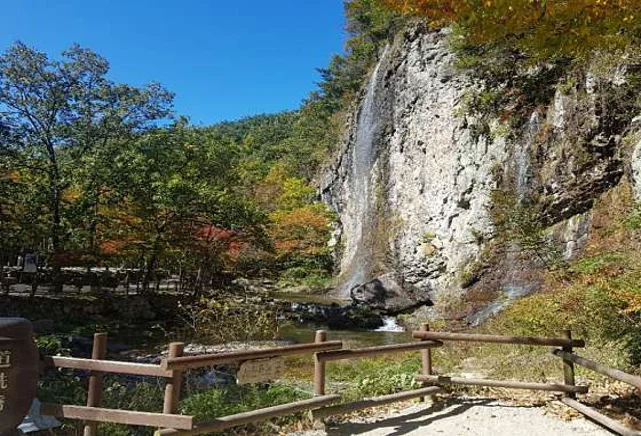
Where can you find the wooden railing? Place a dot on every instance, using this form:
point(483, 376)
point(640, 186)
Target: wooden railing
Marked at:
point(319, 375)
point(613, 373)
point(226, 422)
point(171, 370)
point(569, 388)
point(324, 351)
point(93, 413)
point(566, 341)
point(187, 362)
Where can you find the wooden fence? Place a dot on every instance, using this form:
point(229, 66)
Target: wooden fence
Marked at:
point(171, 370)
point(324, 352)
point(569, 387)
point(570, 358)
point(98, 366)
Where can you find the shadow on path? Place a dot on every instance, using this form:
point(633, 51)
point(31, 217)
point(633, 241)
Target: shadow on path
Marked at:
point(407, 423)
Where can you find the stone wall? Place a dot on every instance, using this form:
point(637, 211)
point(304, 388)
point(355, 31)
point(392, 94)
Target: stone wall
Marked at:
point(131, 308)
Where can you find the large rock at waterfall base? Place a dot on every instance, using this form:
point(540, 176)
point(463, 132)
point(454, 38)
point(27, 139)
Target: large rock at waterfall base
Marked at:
point(385, 294)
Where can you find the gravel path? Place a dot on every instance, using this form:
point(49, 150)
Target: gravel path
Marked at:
point(465, 417)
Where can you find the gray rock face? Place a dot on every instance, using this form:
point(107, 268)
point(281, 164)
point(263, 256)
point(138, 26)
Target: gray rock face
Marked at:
point(635, 167)
point(413, 182)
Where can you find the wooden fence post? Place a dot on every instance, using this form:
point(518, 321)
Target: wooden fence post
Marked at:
point(568, 367)
point(319, 366)
point(94, 394)
point(426, 360)
point(172, 388)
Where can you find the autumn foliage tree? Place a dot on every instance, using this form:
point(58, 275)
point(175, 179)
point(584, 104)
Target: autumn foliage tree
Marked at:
point(541, 29)
point(302, 232)
point(173, 201)
point(299, 226)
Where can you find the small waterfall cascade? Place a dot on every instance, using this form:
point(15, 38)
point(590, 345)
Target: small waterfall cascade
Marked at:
point(522, 158)
point(358, 267)
point(515, 283)
point(390, 325)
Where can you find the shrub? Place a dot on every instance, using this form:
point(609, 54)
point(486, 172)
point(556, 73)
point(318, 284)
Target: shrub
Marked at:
point(65, 388)
point(49, 345)
point(599, 298)
point(212, 320)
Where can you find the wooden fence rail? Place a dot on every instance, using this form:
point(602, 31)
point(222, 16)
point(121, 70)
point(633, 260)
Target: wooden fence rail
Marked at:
point(374, 402)
point(107, 366)
point(600, 418)
point(613, 373)
point(554, 387)
point(230, 421)
point(188, 362)
point(97, 414)
point(616, 374)
point(376, 351)
point(513, 340)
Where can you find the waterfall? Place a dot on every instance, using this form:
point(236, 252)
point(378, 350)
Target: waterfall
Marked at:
point(362, 199)
point(515, 283)
point(522, 159)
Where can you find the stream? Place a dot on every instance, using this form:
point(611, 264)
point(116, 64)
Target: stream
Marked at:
point(391, 332)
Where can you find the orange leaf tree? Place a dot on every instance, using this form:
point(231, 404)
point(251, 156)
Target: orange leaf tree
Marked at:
point(299, 227)
point(542, 29)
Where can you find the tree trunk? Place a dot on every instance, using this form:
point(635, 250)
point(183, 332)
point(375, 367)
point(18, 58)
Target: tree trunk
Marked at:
point(198, 282)
point(150, 266)
point(56, 225)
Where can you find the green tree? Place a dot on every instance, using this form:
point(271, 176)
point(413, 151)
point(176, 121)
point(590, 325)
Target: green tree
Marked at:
point(57, 111)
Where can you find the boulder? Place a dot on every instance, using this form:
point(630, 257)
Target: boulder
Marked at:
point(388, 295)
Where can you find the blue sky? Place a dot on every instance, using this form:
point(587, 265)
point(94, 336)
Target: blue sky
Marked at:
point(223, 59)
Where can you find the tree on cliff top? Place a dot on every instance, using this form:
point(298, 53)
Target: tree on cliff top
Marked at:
point(541, 29)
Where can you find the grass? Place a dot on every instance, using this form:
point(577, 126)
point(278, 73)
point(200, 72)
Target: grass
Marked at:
point(218, 402)
point(118, 393)
point(362, 378)
point(146, 396)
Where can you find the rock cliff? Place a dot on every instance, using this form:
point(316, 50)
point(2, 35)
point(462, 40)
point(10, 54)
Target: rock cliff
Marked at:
point(419, 184)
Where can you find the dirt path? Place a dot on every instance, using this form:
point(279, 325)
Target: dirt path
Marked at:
point(465, 417)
